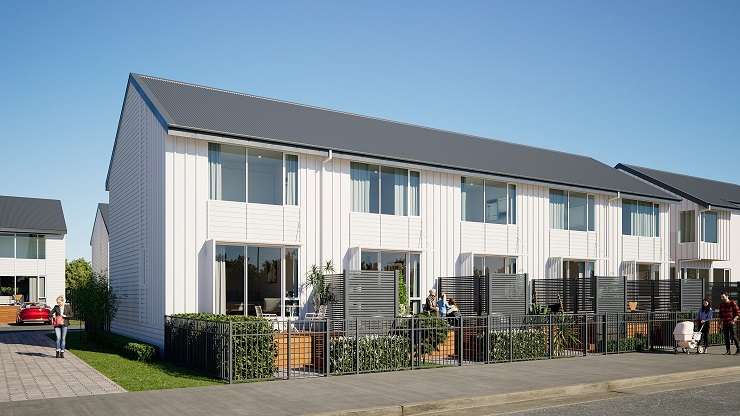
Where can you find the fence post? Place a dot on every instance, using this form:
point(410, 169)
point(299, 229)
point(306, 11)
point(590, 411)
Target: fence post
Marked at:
point(650, 331)
point(511, 341)
point(605, 334)
point(231, 353)
point(549, 335)
point(487, 343)
point(413, 335)
point(357, 345)
point(585, 335)
point(619, 329)
point(288, 350)
point(460, 344)
point(327, 348)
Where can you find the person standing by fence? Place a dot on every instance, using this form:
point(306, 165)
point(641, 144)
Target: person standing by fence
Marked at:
point(728, 314)
point(706, 314)
point(60, 322)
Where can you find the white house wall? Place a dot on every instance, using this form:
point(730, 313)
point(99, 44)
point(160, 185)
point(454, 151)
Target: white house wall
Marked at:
point(52, 267)
point(99, 245)
point(137, 231)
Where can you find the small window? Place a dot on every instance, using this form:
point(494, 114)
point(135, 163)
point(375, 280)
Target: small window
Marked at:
point(291, 180)
point(709, 227)
point(227, 172)
point(365, 187)
point(558, 210)
point(7, 245)
point(393, 191)
point(41, 240)
point(265, 176)
point(369, 260)
point(591, 213)
point(472, 199)
point(414, 196)
point(577, 212)
point(26, 247)
point(512, 204)
point(496, 202)
point(687, 227)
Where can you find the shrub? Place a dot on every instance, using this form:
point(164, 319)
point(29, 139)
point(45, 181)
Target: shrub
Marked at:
point(528, 344)
point(140, 352)
point(636, 343)
point(199, 335)
point(376, 353)
point(94, 303)
point(430, 332)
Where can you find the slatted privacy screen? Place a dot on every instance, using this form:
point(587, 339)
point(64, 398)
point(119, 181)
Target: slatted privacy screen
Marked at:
point(692, 293)
point(576, 295)
point(508, 294)
point(335, 309)
point(610, 294)
point(467, 291)
point(655, 295)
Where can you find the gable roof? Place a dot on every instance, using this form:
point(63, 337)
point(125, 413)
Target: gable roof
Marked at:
point(103, 208)
point(31, 215)
point(702, 191)
point(192, 108)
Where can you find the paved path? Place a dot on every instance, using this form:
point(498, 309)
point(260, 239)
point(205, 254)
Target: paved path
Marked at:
point(307, 396)
point(29, 370)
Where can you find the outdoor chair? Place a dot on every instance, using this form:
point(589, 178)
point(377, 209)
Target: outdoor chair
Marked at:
point(260, 314)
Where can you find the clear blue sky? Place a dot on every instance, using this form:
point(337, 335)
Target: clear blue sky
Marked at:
point(652, 83)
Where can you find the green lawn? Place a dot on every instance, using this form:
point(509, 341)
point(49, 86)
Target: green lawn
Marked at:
point(133, 375)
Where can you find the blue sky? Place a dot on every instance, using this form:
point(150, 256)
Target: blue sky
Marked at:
point(652, 83)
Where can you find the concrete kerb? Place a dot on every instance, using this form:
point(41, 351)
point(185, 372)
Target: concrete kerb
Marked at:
point(611, 386)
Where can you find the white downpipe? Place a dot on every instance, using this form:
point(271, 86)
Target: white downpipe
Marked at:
point(329, 157)
point(608, 206)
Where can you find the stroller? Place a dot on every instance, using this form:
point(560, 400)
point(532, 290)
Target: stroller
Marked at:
point(686, 338)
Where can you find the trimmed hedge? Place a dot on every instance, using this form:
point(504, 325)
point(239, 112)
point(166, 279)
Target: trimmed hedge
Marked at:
point(430, 331)
point(140, 352)
point(377, 353)
point(637, 343)
point(200, 340)
point(528, 344)
point(126, 347)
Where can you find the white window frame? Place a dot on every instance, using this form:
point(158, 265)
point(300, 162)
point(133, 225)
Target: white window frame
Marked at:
point(380, 190)
point(702, 216)
point(506, 258)
point(507, 185)
point(567, 210)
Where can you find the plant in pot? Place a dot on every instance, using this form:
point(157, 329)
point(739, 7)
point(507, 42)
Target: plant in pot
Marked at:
point(316, 279)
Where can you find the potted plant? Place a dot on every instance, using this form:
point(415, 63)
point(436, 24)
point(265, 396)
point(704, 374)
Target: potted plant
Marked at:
point(316, 279)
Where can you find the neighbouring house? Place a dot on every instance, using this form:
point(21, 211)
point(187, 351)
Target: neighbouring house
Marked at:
point(99, 240)
point(32, 252)
point(705, 225)
point(221, 201)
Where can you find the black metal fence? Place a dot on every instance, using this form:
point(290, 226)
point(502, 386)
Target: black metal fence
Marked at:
point(284, 349)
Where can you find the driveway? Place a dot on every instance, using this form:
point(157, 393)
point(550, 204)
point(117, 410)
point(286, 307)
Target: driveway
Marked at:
point(29, 370)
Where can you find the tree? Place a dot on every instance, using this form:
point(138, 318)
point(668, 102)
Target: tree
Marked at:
point(77, 273)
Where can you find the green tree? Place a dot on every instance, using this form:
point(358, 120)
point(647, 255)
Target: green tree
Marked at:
point(77, 273)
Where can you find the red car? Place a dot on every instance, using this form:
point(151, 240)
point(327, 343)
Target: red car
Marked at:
point(33, 313)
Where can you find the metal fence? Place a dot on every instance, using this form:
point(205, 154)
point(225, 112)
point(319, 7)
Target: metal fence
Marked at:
point(284, 349)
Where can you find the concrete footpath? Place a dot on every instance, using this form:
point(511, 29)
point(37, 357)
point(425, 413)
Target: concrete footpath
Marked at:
point(390, 391)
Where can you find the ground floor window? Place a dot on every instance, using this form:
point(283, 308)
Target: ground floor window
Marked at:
point(29, 288)
point(489, 265)
point(574, 269)
point(253, 280)
point(407, 263)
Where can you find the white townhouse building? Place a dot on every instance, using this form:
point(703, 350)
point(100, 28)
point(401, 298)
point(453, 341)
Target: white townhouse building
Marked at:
point(99, 240)
point(32, 252)
point(221, 201)
point(705, 225)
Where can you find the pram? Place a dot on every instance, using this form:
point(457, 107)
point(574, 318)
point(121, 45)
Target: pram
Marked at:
point(686, 338)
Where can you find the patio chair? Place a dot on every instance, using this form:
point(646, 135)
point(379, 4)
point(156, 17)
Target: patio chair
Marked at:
point(318, 315)
point(260, 314)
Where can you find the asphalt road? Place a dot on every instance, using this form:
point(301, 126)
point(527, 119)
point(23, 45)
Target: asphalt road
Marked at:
point(720, 399)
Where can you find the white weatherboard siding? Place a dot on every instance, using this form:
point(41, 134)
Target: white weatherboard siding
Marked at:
point(733, 246)
point(99, 245)
point(137, 232)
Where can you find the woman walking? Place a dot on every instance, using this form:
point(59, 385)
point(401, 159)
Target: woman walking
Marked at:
point(706, 314)
point(61, 323)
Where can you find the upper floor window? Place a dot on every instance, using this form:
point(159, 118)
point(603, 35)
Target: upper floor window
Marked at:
point(384, 190)
point(572, 211)
point(640, 218)
point(22, 246)
point(687, 227)
point(252, 175)
point(488, 265)
point(709, 227)
point(488, 201)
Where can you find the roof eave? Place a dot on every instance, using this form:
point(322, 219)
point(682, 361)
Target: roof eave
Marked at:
point(663, 185)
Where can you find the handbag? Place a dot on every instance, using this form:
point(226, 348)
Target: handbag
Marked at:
point(58, 320)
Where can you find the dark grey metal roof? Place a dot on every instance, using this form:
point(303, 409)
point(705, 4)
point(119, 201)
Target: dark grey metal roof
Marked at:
point(704, 192)
point(194, 108)
point(103, 208)
point(31, 215)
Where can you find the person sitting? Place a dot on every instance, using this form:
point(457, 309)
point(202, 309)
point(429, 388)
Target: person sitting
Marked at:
point(442, 305)
point(453, 310)
point(430, 306)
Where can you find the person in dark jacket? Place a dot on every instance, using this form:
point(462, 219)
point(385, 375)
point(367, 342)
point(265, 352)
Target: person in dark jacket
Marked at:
point(60, 321)
point(728, 314)
point(706, 314)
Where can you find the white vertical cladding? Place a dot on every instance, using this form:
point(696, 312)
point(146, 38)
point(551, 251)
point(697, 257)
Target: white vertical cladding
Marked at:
point(733, 246)
point(719, 250)
point(56, 254)
point(533, 218)
point(441, 226)
point(137, 229)
point(99, 245)
point(311, 235)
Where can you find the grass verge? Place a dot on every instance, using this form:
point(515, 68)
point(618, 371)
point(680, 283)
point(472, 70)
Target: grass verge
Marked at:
point(130, 374)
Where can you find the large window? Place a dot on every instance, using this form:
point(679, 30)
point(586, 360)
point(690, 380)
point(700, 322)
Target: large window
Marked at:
point(384, 190)
point(22, 246)
point(252, 175)
point(709, 227)
point(572, 211)
point(489, 265)
point(640, 218)
point(253, 278)
point(488, 201)
point(687, 227)
point(31, 288)
point(574, 269)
